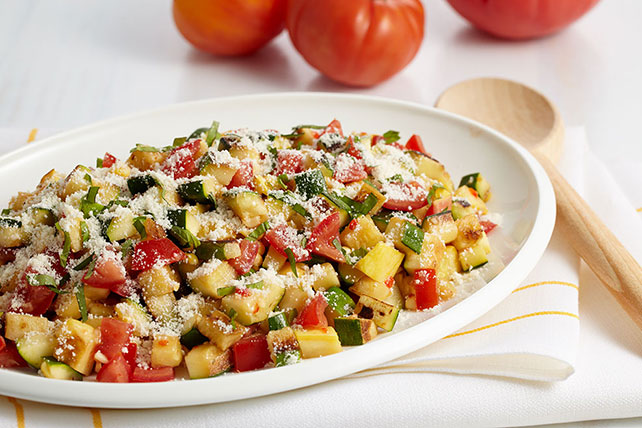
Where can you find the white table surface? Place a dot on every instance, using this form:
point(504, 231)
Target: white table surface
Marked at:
point(66, 63)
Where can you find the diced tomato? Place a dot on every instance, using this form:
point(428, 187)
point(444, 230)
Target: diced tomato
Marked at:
point(108, 160)
point(376, 139)
point(406, 196)
point(312, 315)
point(487, 225)
point(32, 299)
point(289, 162)
point(115, 371)
point(352, 149)
point(181, 162)
point(244, 176)
point(440, 205)
point(2, 343)
point(158, 374)
point(322, 237)
point(282, 237)
point(251, 353)
point(415, 143)
point(129, 353)
point(353, 224)
point(349, 169)
point(108, 273)
point(155, 251)
point(333, 127)
point(426, 289)
point(243, 263)
point(389, 282)
point(9, 356)
point(115, 335)
point(7, 255)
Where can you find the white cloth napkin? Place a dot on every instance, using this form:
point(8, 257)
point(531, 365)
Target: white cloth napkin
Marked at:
point(532, 335)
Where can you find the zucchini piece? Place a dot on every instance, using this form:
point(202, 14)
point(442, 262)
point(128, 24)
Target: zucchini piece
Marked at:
point(54, 369)
point(310, 183)
point(282, 319)
point(249, 207)
point(442, 225)
point(361, 233)
point(222, 173)
point(207, 360)
point(471, 196)
point(193, 338)
point(478, 182)
point(469, 231)
point(318, 342)
point(11, 233)
point(200, 191)
point(133, 313)
point(348, 274)
point(367, 286)
point(294, 298)
point(184, 219)
point(475, 256)
point(354, 331)
point(219, 329)
point(273, 259)
point(339, 303)
point(166, 351)
point(210, 277)
point(43, 216)
point(36, 346)
point(18, 325)
point(76, 345)
point(384, 315)
point(283, 347)
point(159, 280)
point(122, 227)
point(344, 216)
point(431, 168)
point(140, 183)
point(381, 262)
point(412, 237)
point(325, 277)
point(220, 250)
point(367, 189)
point(255, 305)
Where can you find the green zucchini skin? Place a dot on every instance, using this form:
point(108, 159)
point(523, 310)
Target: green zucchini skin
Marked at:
point(140, 184)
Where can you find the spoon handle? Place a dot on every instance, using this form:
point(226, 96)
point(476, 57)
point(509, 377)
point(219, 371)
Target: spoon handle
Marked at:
point(596, 244)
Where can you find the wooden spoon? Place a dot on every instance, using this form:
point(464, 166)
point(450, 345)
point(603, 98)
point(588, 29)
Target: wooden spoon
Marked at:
point(533, 121)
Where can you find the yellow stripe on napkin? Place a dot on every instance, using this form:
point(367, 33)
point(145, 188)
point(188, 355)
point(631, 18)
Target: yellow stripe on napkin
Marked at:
point(534, 314)
point(97, 419)
point(639, 210)
point(32, 135)
point(20, 413)
point(537, 284)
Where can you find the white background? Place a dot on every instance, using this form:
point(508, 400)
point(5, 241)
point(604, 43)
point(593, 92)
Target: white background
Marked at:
point(66, 63)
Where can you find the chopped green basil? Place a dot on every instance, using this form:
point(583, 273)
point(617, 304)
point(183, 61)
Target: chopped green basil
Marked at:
point(413, 237)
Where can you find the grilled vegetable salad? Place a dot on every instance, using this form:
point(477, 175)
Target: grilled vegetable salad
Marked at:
point(232, 250)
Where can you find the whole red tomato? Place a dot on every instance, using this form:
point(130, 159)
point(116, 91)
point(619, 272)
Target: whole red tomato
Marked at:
point(521, 19)
point(356, 42)
point(229, 27)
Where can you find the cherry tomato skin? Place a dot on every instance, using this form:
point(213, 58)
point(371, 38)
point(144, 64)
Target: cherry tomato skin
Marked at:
point(521, 19)
point(416, 197)
point(108, 160)
point(288, 162)
point(243, 263)
point(349, 169)
point(114, 336)
point(487, 225)
point(280, 238)
point(251, 353)
point(415, 143)
point(229, 27)
point(244, 177)
point(9, 356)
point(115, 371)
point(322, 237)
point(440, 205)
point(312, 315)
point(3, 344)
point(356, 42)
point(181, 162)
point(426, 288)
point(108, 273)
point(34, 299)
point(147, 253)
point(157, 374)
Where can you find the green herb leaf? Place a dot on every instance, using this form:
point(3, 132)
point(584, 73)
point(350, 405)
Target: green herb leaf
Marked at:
point(48, 281)
point(197, 133)
point(82, 303)
point(88, 178)
point(292, 260)
point(84, 232)
point(139, 224)
point(178, 141)
point(257, 285)
point(413, 237)
point(353, 257)
point(397, 178)
point(83, 264)
point(309, 126)
point(224, 291)
point(126, 247)
point(144, 148)
point(212, 133)
point(310, 183)
point(283, 181)
point(232, 314)
point(184, 238)
point(90, 269)
point(259, 231)
point(391, 136)
point(6, 211)
point(99, 162)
